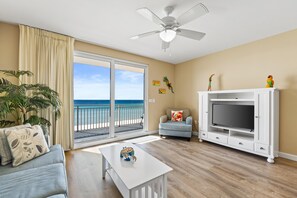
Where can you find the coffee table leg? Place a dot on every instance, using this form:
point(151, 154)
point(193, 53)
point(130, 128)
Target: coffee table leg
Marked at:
point(103, 167)
point(165, 186)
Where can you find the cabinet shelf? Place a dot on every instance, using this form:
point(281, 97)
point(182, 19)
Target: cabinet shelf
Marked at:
point(231, 100)
point(243, 137)
point(233, 129)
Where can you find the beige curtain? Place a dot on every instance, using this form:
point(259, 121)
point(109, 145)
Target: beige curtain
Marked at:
point(50, 57)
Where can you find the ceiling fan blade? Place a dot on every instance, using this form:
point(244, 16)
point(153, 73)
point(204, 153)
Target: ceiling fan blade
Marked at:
point(195, 12)
point(190, 34)
point(165, 45)
point(147, 13)
point(144, 35)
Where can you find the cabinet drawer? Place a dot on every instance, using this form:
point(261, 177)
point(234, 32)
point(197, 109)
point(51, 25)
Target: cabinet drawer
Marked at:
point(262, 148)
point(203, 134)
point(244, 144)
point(218, 137)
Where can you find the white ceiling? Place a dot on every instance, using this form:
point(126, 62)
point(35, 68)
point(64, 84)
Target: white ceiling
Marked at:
point(111, 23)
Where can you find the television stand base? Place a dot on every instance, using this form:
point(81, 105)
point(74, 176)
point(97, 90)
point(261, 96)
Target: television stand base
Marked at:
point(270, 160)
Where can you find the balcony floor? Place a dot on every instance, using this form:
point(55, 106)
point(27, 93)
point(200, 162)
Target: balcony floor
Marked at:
point(105, 131)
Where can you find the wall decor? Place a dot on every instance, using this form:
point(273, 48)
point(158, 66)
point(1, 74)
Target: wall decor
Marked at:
point(169, 86)
point(162, 91)
point(270, 81)
point(209, 82)
point(156, 83)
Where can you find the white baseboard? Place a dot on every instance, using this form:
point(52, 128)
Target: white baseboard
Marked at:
point(195, 133)
point(287, 156)
point(152, 132)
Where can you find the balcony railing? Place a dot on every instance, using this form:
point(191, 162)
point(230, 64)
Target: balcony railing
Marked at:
point(95, 118)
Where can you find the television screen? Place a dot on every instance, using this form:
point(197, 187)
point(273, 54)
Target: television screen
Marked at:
point(237, 116)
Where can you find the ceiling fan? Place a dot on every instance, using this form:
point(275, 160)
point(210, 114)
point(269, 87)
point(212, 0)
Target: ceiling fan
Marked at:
point(170, 25)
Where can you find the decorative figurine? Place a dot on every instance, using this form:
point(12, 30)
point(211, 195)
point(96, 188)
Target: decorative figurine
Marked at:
point(270, 81)
point(128, 153)
point(165, 79)
point(209, 82)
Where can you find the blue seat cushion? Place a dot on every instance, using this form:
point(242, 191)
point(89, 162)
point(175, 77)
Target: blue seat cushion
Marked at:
point(55, 155)
point(39, 182)
point(175, 126)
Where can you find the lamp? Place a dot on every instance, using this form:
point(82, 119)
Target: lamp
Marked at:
point(167, 35)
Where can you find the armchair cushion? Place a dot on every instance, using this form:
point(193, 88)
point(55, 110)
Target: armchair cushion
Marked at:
point(186, 112)
point(163, 118)
point(175, 126)
point(176, 116)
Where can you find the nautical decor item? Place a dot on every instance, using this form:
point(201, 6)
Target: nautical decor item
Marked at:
point(127, 153)
point(165, 79)
point(209, 82)
point(270, 81)
point(162, 91)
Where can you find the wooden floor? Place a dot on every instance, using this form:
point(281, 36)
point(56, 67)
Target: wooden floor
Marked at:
point(200, 170)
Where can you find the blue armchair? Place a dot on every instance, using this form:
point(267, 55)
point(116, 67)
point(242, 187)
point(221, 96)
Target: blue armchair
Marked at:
point(177, 129)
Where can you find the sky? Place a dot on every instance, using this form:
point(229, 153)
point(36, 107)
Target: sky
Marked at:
point(93, 83)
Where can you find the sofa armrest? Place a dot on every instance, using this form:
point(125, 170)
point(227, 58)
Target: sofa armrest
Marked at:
point(163, 118)
point(189, 120)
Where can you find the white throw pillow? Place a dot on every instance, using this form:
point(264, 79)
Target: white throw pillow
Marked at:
point(5, 154)
point(26, 144)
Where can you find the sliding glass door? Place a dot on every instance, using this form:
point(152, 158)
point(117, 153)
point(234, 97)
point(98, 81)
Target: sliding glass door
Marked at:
point(109, 97)
point(129, 98)
point(91, 98)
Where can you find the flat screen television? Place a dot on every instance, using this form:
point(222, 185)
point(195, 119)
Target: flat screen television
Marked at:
point(236, 116)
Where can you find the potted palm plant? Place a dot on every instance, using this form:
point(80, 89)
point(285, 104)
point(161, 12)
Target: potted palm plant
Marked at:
point(21, 103)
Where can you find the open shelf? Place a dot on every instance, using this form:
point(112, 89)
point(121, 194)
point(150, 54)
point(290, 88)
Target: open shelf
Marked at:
point(224, 133)
point(233, 129)
point(243, 137)
point(231, 100)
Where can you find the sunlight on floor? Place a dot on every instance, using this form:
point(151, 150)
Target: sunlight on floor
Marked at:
point(144, 140)
point(95, 149)
point(141, 140)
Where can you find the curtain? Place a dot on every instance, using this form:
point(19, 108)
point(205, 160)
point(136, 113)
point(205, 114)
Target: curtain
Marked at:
point(50, 57)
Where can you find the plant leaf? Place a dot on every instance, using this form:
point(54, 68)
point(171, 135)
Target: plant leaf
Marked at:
point(16, 74)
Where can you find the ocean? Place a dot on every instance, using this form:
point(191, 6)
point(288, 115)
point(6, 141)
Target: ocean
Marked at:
point(107, 102)
point(92, 114)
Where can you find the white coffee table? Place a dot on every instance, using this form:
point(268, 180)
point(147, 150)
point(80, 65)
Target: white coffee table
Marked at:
point(141, 179)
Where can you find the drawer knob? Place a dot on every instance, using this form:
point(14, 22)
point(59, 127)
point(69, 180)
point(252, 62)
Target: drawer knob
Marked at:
point(217, 138)
point(261, 148)
point(240, 143)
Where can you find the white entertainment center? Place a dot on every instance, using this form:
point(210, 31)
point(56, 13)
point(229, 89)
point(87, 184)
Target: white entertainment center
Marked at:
point(262, 140)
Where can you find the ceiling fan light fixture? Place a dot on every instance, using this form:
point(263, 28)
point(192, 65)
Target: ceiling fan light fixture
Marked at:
point(167, 35)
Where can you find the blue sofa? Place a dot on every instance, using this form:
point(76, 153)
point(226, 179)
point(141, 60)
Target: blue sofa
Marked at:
point(177, 129)
point(44, 176)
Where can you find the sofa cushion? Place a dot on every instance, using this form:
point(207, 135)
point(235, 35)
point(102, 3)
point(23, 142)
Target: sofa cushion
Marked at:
point(5, 153)
point(175, 126)
point(26, 144)
point(35, 183)
point(186, 112)
point(56, 155)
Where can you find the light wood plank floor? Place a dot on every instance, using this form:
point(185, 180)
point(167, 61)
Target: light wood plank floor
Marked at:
point(200, 170)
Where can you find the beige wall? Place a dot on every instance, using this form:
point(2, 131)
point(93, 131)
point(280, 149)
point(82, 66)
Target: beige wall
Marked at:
point(9, 50)
point(247, 66)
point(9, 47)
